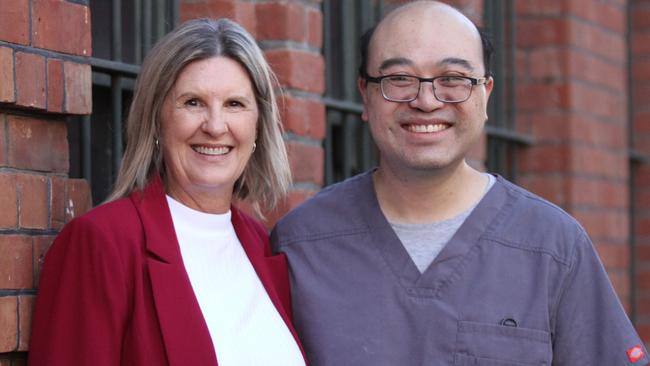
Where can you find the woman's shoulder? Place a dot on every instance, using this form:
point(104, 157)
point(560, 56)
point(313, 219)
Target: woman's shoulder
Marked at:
point(114, 218)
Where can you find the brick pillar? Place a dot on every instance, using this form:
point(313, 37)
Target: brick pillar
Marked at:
point(290, 33)
point(44, 76)
point(572, 97)
point(640, 46)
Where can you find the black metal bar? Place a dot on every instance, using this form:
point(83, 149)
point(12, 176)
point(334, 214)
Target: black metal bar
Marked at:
point(137, 31)
point(349, 49)
point(349, 151)
point(502, 133)
point(343, 105)
point(86, 151)
point(329, 148)
point(175, 13)
point(116, 103)
point(146, 26)
point(512, 64)
point(116, 31)
point(114, 67)
point(327, 47)
point(160, 17)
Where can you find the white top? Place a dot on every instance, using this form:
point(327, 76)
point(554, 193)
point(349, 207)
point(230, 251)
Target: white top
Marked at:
point(245, 327)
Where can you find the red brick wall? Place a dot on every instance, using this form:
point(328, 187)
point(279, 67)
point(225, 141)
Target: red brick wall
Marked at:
point(572, 98)
point(44, 76)
point(640, 62)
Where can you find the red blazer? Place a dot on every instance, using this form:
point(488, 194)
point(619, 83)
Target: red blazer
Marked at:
point(114, 291)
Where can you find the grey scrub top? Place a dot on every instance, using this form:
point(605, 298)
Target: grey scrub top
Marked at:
point(518, 284)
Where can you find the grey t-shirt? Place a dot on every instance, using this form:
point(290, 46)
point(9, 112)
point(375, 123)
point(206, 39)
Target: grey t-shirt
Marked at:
point(423, 242)
point(519, 283)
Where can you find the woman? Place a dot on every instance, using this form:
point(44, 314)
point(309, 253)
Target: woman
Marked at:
point(169, 272)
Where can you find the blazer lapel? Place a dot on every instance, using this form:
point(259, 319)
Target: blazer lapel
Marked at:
point(271, 269)
point(184, 332)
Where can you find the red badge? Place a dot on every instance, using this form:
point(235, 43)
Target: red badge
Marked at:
point(635, 353)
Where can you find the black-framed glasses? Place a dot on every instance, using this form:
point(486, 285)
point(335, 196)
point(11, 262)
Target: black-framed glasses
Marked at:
point(406, 88)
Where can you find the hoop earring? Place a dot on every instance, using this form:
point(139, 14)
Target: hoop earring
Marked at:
point(254, 146)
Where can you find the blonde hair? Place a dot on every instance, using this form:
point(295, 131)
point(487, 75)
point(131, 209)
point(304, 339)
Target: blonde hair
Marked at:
point(267, 176)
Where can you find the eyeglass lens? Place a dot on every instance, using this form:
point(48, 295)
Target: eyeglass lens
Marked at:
point(404, 88)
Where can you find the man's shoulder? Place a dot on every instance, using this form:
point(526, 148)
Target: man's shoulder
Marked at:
point(532, 222)
point(333, 210)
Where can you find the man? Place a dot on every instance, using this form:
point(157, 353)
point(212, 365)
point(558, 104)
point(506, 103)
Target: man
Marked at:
point(427, 261)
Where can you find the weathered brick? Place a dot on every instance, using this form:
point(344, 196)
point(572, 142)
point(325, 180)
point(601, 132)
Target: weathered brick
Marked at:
point(621, 282)
point(587, 191)
point(598, 162)
point(16, 271)
point(281, 21)
point(550, 187)
point(8, 201)
point(3, 140)
point(55, 85)
point(614, 256)
point(243, 12)
point(548, 158)
point(36, 144)
point(57, 202)
point(7, 82)
point(298, 69)
point(61, 26)
point(25, 309)
point(30, 80)
point(591, 132)
point(315, 28)
point(33, 202)
point(303, 116)
point(14, 21)
point(8, 323)
point(533, 7)
point(598, 102)
point(536, 97)
point(41, 245)
point(78, 198)
point(641, 69)
point(640, 42)
point(640, 16)
point(78, 88)
point(306, 162)
point(603, 224)
point(537, 32)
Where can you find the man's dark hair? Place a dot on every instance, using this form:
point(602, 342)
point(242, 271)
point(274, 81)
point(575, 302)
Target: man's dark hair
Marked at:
point(486, 43)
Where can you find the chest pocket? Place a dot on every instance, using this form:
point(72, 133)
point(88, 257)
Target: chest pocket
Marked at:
point(498, 345)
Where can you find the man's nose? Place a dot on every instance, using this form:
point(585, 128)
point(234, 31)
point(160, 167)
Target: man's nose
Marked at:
point(426, 100)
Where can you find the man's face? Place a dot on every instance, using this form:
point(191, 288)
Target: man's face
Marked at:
point(425, 134)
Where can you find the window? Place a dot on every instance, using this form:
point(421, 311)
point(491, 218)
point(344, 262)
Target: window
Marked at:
point(122, 33)
point(349, 149)
point(503, 138)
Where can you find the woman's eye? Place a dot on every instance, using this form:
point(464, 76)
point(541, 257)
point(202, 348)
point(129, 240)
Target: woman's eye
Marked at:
point(235, 103)
point(192, 102)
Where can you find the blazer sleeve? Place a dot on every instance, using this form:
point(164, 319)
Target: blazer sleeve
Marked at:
point(82, 303)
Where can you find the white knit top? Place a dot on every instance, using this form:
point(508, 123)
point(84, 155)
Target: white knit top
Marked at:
point(245, 327)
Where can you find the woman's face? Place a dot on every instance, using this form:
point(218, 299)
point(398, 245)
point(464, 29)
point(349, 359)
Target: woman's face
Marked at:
point(208, 127)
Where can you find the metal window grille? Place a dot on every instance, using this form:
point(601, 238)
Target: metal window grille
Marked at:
point(122, 33)
point(349, 149)
point(503, 138)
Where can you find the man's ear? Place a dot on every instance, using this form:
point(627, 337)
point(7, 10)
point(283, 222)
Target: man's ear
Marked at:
point(362, 84)
point(489, 85)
